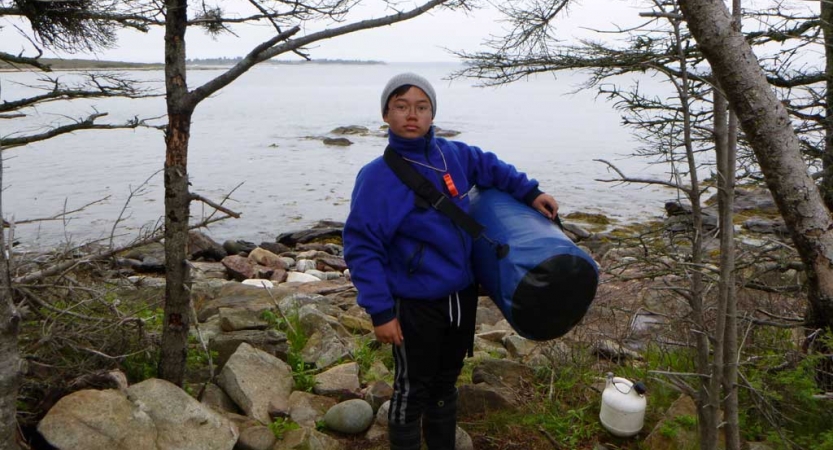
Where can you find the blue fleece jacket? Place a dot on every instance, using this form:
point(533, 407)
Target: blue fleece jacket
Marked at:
point(396, 248)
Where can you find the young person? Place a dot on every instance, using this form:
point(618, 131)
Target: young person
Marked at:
point(411, 263)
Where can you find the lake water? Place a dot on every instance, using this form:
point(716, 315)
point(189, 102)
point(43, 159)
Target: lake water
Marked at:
point(256, 132)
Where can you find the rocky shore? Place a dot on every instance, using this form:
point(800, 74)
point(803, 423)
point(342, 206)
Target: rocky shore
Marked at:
point(250, 396)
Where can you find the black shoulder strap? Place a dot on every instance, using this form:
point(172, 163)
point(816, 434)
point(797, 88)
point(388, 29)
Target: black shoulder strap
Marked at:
point(425, 189)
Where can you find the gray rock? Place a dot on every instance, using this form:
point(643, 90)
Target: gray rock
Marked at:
point(339, 142)
point(579, 232)
point(354, 324)
point(462, 440)
point(293, 303)
point(496, 336)
point(349, 417)
point(441, 132)
point(209, 329)
point(502, 373)
point(323, 349)
point(151, 265)
point(272, 342)
point(340, 380)
point(98, 420)
point(202, 246)
point(487, 312)
point(238, 247)
point(321, 230)
point(377, 394)
point(317, 274)
point(378, 371)
point(482, 398)
point(613, 351)
point(237, 319)
point(289, 262)
point(216, 398)
point(274, 247)
point(304, 265)
point(236, 295)
point(379, 427)
point(256, 438)
point(351, 129)
point(182, 423)
point(307, 439)
point(154, 250)
point(201, 270)
point(254, 379)
point(763, 226)
point(306, 409)
point(519, 347)
point(759, 199)
point(496, 350)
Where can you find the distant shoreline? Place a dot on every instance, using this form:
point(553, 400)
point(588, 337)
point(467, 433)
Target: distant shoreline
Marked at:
point(211, 63)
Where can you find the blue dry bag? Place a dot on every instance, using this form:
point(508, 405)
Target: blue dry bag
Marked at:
point(545, 284)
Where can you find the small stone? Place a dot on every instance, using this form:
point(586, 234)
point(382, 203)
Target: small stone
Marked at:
point(256, 438)
point(350, 417)
point(377, 394)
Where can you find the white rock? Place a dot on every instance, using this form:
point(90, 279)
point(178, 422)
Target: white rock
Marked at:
point(302, 265)
point(300, 277)
point(259, 283)
point(317, 274)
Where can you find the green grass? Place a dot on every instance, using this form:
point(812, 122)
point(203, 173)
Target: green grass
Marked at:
point(281, 426)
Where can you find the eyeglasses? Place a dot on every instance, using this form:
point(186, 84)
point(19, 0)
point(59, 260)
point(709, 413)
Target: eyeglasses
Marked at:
point(404, 110)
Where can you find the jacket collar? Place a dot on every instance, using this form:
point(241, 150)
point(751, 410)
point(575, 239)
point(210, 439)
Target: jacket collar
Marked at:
point(413, 147)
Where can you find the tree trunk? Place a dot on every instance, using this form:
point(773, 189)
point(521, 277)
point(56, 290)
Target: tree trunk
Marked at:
point(177, 198)
point(769, 130)
point(727, 276)
point(827, 158)
point(706, 410)
point(9, 353)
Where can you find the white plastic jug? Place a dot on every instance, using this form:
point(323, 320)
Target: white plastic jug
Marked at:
point(623, 406)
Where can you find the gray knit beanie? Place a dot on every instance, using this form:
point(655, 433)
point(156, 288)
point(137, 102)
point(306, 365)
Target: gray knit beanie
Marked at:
point(414, 80)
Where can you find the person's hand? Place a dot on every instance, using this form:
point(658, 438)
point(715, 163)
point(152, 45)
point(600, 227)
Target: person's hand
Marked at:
point(389, 333)
point(546, 205)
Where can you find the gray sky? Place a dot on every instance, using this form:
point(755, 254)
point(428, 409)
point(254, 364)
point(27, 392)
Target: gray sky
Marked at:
point(421, 39)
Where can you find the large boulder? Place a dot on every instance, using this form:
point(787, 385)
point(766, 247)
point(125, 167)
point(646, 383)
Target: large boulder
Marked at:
point(272, 342)
point(256, 380)
point(98, 420)
point(182, 423)
point(216, 398)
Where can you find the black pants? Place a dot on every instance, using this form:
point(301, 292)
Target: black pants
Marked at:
point(437, 335)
